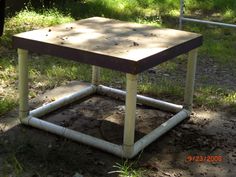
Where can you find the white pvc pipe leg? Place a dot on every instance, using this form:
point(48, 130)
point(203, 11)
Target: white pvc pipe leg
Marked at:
point(130, 110)
point(62, 102)
point(190, 79)
point(23, 83)
point(120, 94)
point(74, 135)
point(95, 75)
point(159, 131)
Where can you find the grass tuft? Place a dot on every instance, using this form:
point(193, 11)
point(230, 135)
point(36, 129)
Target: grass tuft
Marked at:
point(12, 165)
point(126, 169)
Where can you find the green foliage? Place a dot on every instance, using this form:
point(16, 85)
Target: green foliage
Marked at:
point(162, 89)
point(7, 86)
point(6, 104)
point(119, 9)
point(212, 97)
point(12, 166)
point(28, 20)
point(166, 6)
point(209, 5)
point(219, 42)
point(219, 4)
point(126, 169)
point(47, 72)
point(24, 21)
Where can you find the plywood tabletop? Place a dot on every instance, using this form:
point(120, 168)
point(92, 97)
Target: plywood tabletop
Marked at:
point(123, 46)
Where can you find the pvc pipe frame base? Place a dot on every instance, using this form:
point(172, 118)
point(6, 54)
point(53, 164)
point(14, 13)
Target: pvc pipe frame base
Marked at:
point(129, 149)
point(118, 150)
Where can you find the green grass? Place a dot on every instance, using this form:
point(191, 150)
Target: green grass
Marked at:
point(6, 104)
point(12, 165)
point(7, 84)
point(24, 21)
point(28, 20)
point(127, 169)
point(114, 8)
point(212, 97)
point(219, 43)
point(47, 72)
point(211, 5)
point(163, 89)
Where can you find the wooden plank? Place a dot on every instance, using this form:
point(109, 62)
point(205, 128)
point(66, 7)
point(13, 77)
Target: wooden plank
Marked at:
point(118, 45)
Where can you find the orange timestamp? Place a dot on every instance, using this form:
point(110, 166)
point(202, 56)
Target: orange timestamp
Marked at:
point(204, 158)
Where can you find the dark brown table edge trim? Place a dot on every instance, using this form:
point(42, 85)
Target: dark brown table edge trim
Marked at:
point(122, 65)
point(168, 54)
point(105, 61)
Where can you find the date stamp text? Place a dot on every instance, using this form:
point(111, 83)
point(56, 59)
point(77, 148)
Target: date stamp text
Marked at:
point(202, 158)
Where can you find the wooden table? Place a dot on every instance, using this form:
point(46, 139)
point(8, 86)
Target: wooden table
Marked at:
point(122, 46)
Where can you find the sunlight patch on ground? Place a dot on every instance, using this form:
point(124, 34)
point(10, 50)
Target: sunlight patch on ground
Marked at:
point(8, 123)
point(208, 115)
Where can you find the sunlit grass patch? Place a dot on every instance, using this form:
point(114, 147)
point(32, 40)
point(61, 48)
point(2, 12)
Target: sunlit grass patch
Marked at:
point(6, 104)
point(163, 89)
point(230, 97)
point(28, 20)
point(25, 20)
point(218, 42)
point(47, 72)
point(229, 13)
point(7, 71)
point(113, 78)
point(32, 19)
point(212, 97)
point(107, 8)
point(126, 169)
point(132, 10)
point(7, 84)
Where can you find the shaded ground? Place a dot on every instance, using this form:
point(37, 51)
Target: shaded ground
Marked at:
point(30, 152)
point(208, 72)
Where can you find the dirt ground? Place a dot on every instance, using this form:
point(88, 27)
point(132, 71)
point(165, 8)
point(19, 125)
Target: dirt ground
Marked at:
point(203, 145)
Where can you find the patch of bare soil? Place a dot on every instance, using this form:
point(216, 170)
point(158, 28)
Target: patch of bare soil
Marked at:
point(203, 145)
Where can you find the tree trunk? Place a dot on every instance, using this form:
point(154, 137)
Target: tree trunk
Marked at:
point(2, 15)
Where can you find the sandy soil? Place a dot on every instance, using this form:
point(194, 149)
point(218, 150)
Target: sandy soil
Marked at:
point(184, 151)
